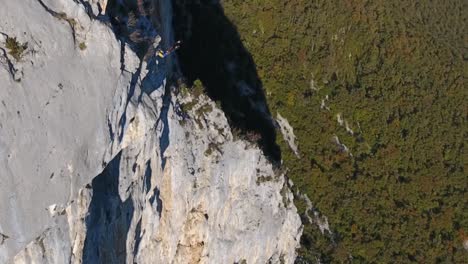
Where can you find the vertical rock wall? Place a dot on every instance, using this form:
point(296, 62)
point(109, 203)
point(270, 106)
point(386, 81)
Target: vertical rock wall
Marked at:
point(118, 169)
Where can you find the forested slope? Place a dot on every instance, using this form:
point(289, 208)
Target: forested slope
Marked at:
point(375, 91)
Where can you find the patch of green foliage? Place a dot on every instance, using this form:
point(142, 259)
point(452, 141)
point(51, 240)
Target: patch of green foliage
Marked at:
point(71, 21)
point(82, 46)
point(204, 109)
point(196, 91)
point(186, 107)
point(262, 179)
point(197, 88)
point(394, 70)
point(15, 48)
point(211, 148)
point(200, 110)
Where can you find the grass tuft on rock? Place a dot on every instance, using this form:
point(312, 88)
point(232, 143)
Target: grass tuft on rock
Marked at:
point(82, 46)
point(15, 48)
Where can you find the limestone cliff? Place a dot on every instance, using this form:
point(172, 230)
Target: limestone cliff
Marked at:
point(101, 163)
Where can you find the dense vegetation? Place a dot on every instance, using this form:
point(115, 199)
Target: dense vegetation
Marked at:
point(391, 177)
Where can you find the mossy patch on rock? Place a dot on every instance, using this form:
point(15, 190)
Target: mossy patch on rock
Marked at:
point(15, 48)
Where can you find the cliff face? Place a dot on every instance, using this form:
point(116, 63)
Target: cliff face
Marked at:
point(102, 163)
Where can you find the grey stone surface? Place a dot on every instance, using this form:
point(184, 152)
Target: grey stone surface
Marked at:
point(53, 117)
point(288, 133)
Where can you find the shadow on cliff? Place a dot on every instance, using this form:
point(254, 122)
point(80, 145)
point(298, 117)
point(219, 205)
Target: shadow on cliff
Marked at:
point(109, 219)
point(213, 52)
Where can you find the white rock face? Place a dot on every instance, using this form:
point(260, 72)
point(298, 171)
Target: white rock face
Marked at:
point(53, 117)
point(101, 164)
point(318, 219)
point(288, 133)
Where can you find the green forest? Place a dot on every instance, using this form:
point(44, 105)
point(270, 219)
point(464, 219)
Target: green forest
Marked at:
point(375, 92)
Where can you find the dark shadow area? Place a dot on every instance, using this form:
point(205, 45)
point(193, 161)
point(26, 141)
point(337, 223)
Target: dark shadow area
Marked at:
point(136, 25)
point(109, 219)
point(137, 240)
point(133, 23)
point(212, 52)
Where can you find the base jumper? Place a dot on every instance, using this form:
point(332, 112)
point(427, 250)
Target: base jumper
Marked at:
point(163, 54)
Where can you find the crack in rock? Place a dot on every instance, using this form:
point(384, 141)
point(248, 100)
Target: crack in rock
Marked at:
point(3, 238)
point(62, 16)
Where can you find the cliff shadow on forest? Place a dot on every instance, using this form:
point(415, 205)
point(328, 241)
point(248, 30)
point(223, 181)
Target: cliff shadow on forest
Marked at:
point(212, 51)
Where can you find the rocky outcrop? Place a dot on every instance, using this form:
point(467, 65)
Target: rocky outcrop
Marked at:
point(105, 160)
point(288, 133)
